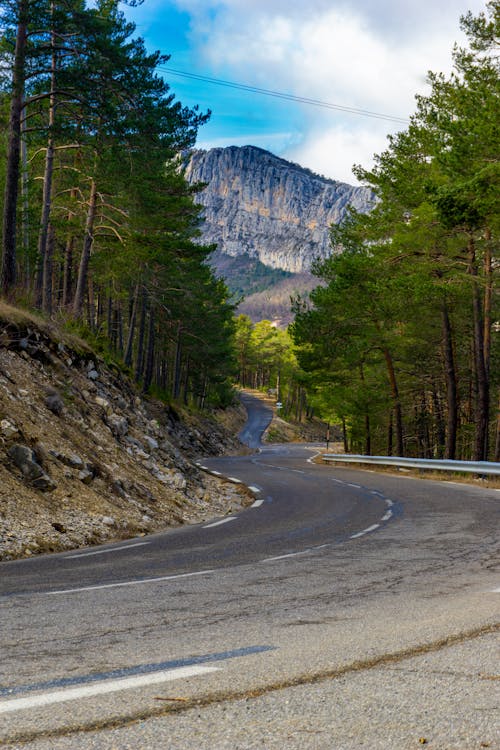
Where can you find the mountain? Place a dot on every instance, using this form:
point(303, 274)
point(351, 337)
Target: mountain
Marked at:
point(269, 217)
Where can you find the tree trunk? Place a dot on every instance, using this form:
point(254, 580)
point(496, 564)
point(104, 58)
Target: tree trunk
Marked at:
point(86, 251)
point(25, 197)
point(131, 328)
point(139, 362)
point(48, 272)
point(397, 403)
point(481, 366)
point(148, 372)
point(8, 271)
point(451, 385)
point(177, 365)
point(68, 272)
point(41, 282)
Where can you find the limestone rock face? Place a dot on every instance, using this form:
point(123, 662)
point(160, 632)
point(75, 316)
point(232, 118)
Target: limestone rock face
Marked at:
point(260, 205)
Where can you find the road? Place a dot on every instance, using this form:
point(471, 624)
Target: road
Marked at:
point(344, 609)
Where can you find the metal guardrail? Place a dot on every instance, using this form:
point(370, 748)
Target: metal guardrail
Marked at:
point(433, 464)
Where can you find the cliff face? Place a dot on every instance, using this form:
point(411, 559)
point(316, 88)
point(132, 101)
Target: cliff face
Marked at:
point(259, 205)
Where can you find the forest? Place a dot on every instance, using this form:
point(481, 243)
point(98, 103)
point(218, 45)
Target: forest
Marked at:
point(400, 342)
point(99, 226)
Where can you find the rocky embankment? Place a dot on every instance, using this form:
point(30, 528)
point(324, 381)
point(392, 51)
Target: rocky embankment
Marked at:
point(84, 458)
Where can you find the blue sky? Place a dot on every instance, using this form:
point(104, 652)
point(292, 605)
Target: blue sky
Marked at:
point(365, 54)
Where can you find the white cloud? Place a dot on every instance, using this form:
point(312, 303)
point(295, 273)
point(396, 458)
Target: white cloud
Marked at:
point(333, 152)
point(360, 54)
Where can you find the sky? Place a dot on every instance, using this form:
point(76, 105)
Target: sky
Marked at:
point(370, 55)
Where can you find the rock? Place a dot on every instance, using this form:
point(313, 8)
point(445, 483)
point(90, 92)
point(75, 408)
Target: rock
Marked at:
point(74, 461)
point(93, 375)
point(118, 488)
point(118, 425)
point(24, 458)
point(54, 403)
point(42, 455)
point(143, 492)
point(151, 443)
point(100, 401)
point(108, 520)
point(85, 476)
point(8, 429)
point(44, 483)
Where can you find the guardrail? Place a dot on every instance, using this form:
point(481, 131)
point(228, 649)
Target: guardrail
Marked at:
point(432, 464)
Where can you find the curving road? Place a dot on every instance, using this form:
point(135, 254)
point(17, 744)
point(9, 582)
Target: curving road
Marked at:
point(331, 573)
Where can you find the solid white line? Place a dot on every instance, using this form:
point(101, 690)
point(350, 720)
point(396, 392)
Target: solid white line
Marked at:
point(219, 523)
point(129, 583)
point(257, 503)
point(104, 551)
point(387, 516)
point(111, 686)
point(496, 591)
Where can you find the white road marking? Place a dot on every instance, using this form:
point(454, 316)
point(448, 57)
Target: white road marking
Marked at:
point(283, 557)
point(216, 473)
point(110, 686)
point(254, 489)
point(496, 591)
point(366, 531)
point(219, 523)
point(129, 583)
point(357, 486)
point(104, 551)
point(387, 516)
point(234, 479)
point(257, 503)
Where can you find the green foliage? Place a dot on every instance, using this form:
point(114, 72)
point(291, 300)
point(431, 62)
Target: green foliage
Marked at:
point(400, 343)
point(111, 239)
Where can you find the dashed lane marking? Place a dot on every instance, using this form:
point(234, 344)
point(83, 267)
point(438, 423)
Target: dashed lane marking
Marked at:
point(219, 523)
point(283, 557)
point(128, 583)
point(106, 551)
point(257, 503)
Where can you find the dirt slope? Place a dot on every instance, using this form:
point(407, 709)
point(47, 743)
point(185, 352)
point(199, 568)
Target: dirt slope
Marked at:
point(84, 458)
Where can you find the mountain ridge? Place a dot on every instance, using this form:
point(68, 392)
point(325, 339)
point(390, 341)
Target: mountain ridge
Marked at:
point(261, 205)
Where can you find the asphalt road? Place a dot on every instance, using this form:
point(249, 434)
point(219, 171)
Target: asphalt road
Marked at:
point(344, 609)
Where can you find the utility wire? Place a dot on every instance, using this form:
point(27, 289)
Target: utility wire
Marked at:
point(287, 97)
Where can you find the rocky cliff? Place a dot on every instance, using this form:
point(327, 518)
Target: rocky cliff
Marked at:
point(263, 207)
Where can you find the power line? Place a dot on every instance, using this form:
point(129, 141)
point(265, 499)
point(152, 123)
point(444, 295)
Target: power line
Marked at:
point(287, 97)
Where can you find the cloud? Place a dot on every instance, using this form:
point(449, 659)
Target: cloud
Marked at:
point(362, 54)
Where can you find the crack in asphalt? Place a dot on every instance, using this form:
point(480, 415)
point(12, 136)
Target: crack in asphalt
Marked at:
point(210, 699)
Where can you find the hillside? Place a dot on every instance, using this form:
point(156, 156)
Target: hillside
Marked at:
point(84, 458)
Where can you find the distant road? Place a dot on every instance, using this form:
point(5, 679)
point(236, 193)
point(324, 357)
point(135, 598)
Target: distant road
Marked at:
point(259, 418)
point(331, 571)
